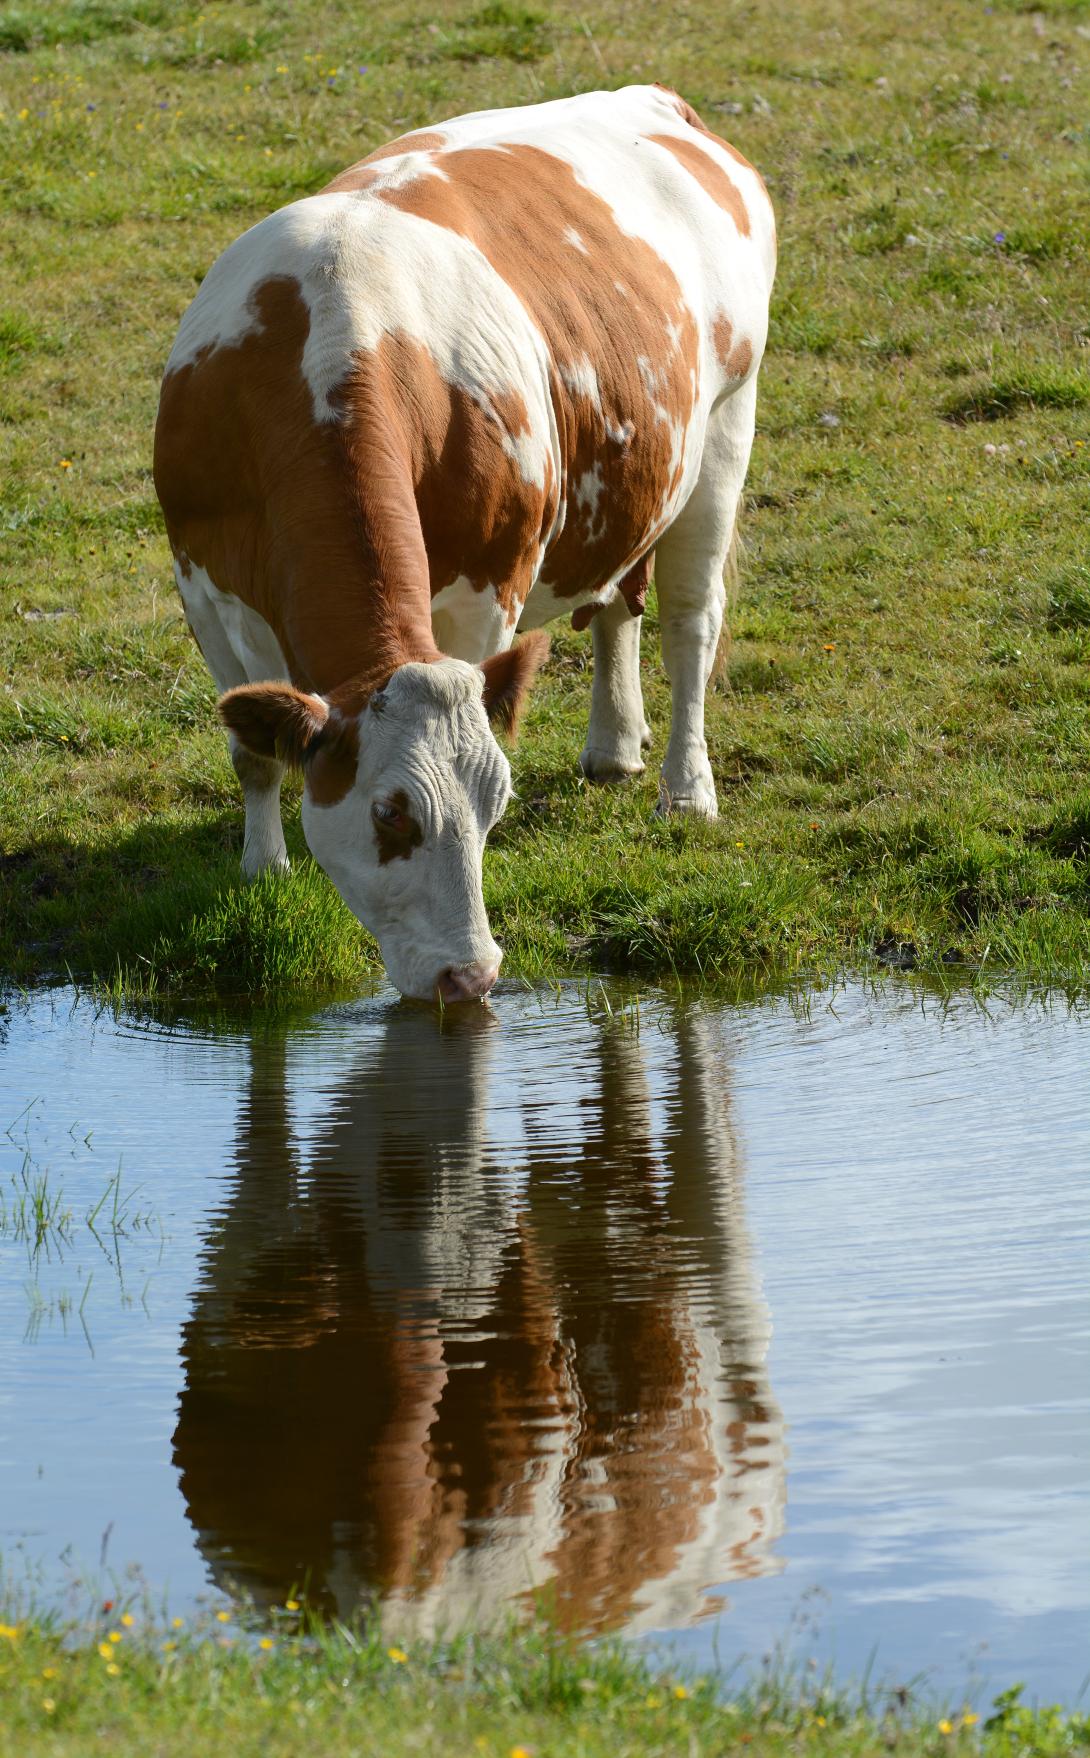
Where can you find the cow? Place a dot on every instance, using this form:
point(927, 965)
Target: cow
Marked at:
point(480, 381)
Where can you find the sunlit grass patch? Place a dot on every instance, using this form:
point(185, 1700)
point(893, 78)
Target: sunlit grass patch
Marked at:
point(123, 1680)
point(1049, 386)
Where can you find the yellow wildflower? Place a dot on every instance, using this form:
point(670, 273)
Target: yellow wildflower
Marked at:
point(223, 1617)
point(519, 1752)
point(128, 1620)
point(969, 1719)
point(114, 1636)
point(113, 1669)
point(820, 1719)
point(49, 1672)
point(23, 114)
point(653, 1702)
point(106, 1651)
point(291, 1605)
point(397, 1655)
point(680, 1693)
point(281, 68)
point(10, 1632)
point(265, 1642)
point(169, 1647)
point(946, 1727)
point(66, 463)
point(48, 1705)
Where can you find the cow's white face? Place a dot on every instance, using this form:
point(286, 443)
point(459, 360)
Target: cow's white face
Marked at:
point(404, 845)
point(398, 800)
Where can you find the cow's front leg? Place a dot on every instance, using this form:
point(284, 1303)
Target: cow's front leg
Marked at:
point(618, 734)
point(263, 840)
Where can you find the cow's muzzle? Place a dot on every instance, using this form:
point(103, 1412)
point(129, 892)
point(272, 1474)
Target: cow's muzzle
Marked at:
point(466, 982)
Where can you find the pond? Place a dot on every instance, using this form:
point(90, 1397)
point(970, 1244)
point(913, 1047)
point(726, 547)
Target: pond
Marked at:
point(749, 1328)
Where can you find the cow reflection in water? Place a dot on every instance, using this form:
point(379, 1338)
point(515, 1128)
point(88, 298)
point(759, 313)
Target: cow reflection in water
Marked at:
point(492, 1329)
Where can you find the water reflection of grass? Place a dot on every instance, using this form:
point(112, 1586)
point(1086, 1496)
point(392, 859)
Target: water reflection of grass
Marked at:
point(900, 732)
point(112, 1684)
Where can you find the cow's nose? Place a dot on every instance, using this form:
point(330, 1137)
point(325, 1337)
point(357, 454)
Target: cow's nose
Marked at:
point(466, 982)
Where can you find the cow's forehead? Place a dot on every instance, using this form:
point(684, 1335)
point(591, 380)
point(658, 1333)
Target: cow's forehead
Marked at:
point(428, 725)
point(416, 690)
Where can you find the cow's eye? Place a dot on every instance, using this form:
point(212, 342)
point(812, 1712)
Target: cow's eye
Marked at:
point(389, 816)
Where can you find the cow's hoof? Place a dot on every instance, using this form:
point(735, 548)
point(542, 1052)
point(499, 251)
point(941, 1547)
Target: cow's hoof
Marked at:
point(609, 767)
point(253, 868)
point(696, 799)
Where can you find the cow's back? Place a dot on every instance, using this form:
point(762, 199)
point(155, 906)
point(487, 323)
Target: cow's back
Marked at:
point(496, 345)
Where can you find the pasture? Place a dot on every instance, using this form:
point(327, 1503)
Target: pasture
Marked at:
point(900, 730)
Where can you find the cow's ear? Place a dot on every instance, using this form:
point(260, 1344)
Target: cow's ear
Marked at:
point(273, 720)
point(507, 679)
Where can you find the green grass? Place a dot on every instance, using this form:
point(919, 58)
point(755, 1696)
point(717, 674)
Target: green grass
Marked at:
point(74, 1690)
point(901, 734)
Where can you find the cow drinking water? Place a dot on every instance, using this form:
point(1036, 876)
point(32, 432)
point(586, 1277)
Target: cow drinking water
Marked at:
point(477, 383)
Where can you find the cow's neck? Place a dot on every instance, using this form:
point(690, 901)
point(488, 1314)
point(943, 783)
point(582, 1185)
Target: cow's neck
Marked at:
point(378, 614)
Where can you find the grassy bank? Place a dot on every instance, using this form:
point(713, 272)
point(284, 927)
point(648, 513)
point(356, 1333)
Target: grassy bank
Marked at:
point(524, 1695)
point(901, 735)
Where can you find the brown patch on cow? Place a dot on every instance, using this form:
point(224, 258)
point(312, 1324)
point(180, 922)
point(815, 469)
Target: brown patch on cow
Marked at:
point(273, 720)
point(396, 843)
point(735, 358)
point(280, 511)
point(710, 175)
point(507, 679)
point(362, 174)
point(332, 761)
point(740, 358)
point(447, 466)
point(695, 120)
point(618, 459)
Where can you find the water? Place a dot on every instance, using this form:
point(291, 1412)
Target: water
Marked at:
point(733, 1326)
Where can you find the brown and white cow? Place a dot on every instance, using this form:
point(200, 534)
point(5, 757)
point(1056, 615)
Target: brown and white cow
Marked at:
point(475, 384)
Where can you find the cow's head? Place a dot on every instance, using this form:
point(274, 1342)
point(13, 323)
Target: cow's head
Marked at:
point(398, 799)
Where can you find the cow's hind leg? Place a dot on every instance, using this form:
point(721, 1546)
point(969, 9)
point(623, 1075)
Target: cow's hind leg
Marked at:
point(618, 733)
point(689, 564)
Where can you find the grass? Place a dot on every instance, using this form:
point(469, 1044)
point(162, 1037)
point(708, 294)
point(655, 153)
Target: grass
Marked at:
point(901, 733)
point(115, 1686)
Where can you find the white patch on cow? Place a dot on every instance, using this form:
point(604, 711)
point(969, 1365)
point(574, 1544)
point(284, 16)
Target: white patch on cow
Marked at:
point(238, 645)
point(623, 435)
point(575, 239)
point(402, 168)
point(580, 378)
point(426, 736)
point(588, 496)
point(470, 624)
